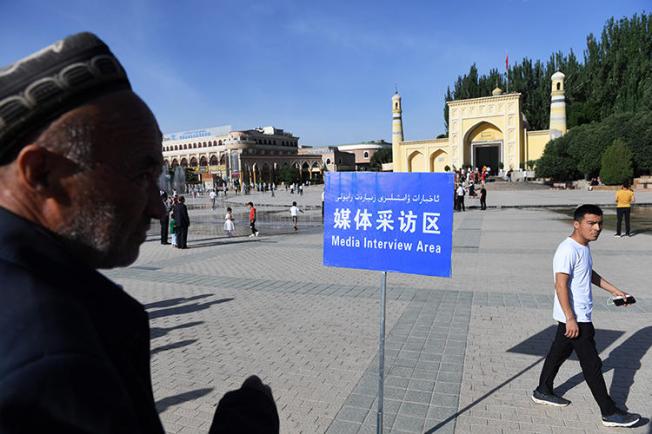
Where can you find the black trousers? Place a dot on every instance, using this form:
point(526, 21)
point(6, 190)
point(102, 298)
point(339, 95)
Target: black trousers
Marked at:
point(483, 202)
point(252, 225)
point(584, 346)
point(620, 213)
point(460, 203)
point(182, 236)
point(164, 230)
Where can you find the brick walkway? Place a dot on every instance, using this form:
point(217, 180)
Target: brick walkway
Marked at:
point(462, 355)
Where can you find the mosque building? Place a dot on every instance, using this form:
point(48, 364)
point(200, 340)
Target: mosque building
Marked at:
point(483, 131)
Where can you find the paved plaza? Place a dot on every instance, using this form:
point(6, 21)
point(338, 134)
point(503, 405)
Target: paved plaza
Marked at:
point(462, 354)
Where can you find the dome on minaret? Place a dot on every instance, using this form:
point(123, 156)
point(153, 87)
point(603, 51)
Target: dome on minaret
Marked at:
point(497, 91)
point(396, 95)
point(558, 76)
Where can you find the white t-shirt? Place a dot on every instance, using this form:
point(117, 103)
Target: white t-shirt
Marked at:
point(294, 211)
point(212, 195)
point(574, 259)
point(460, 191)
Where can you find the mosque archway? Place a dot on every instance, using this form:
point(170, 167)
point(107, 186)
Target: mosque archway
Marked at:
point(184, 162)
point(484, 146)
point(416, 162)
point(438, 160)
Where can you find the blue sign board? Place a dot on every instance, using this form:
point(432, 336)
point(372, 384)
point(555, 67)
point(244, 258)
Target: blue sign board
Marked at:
point(389, 221)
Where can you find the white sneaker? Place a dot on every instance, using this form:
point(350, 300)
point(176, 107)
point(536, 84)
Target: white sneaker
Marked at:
point(251, 235)
point(257, 233)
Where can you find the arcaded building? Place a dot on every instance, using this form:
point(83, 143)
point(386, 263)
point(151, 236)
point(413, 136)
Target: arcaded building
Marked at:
point(255, 155)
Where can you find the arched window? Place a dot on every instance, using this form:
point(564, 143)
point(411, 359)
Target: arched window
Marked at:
point(366, 154)
point(219, 143)
point(213, 161)
point(395, 106)
point(184, 162)
point(328, 161)
point(558, 86)
point(193, 162)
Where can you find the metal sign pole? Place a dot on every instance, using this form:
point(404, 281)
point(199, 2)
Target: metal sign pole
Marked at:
point(381, 353)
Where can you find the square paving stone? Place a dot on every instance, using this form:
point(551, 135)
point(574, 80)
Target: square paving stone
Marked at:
point(408, 424)
point(340, 427)
point(450, 388)
point(421, 385)
point(394, 393)
point(450, 377)
point(440, 413)
point(417, 396)
point(401, 371)
point(360, 401)
point(445, 400)
point(413, 409)
point(393, 381)
point(352, 414)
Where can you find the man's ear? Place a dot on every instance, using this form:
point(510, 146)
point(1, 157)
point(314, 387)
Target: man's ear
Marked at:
point(34, 167)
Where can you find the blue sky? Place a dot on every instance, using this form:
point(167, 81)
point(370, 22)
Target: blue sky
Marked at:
point(325, 71)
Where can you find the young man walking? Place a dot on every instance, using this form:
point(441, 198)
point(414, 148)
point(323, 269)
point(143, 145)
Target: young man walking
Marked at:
point(574, 274)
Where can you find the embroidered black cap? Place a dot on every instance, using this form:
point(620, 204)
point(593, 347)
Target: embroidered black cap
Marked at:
point(44, 85)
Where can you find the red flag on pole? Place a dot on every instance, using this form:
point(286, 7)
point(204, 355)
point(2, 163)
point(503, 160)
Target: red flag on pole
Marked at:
point(507, 62)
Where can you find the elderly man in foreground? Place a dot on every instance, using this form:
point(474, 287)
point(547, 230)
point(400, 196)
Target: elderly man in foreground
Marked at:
point(80, 155)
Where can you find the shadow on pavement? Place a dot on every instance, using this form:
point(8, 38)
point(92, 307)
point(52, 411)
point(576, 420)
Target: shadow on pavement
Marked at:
point(537, 345)
point(165, 403)
point(172, 346)
point(624, 360)
point(174, 301)
point(157, 332)
point(187, 308)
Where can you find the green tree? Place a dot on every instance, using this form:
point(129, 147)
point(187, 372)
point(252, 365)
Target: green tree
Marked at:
point(616, 164)
point(556, 163)
point(288, 174)
point(380, 157)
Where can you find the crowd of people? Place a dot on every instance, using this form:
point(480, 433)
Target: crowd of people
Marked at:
point(467, 182)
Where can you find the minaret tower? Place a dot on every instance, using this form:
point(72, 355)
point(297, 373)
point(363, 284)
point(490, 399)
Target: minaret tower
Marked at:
point(397, 129)
point(557, 106)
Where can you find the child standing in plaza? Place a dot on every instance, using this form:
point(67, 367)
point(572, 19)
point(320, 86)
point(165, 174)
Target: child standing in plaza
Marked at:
point(229, 227)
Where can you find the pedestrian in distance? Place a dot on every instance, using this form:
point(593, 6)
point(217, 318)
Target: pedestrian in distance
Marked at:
point(483, 198)
point(573, 305)
point(624, 201)
point(74, 346)
point(165, 221)
point(229, 226)
point(460, 197)
point(252, 220)
point(294, 213)
point(182, 222)
point(213, 196)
